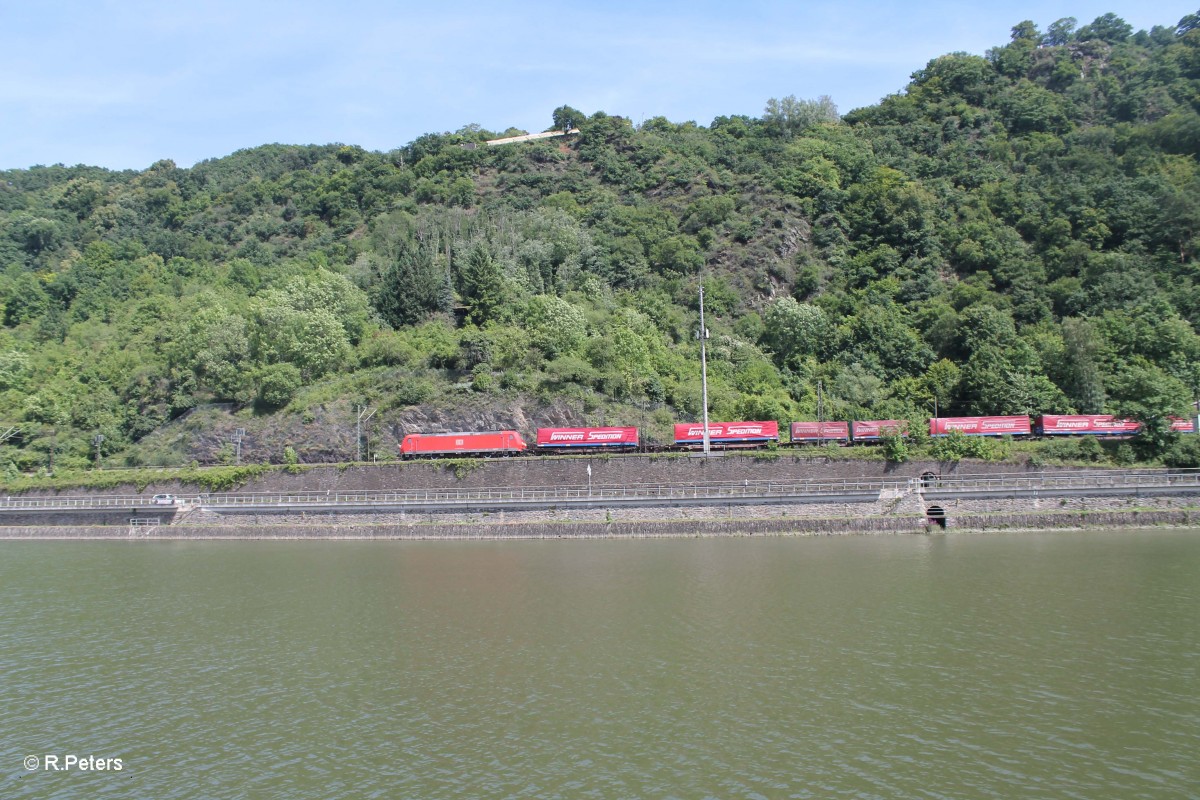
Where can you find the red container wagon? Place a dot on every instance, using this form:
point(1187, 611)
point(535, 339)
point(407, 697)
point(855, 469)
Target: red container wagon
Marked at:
point(725, 434)
point(980, 426)
point(1183, 425)
point(875, 429)
point(587, 438)
point(475, 443)
point(1084, 425)
point(820, 432)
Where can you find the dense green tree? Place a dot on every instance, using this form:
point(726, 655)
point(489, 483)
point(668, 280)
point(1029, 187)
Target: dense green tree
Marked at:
point(412, 287)
point(793, 330)
point(555, 326)
point(277, 384)
point(1060, 32)
point(879, 337)
point(1078, 371)
point(567, 119)
point(481, 283)
point(1145, 393)
point(1107, 28)
point(789, 116)
point(313, 340)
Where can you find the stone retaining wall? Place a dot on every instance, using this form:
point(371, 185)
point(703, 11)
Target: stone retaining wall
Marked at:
point(621, 514)
point(612, 470)
point(1071, 520)
point(792, 526)
point(548, 530)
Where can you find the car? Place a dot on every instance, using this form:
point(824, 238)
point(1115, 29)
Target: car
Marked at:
point(163, 500)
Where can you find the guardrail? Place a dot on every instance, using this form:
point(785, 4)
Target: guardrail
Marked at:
point(83, 501)
point(709, 491)
point(706, 491)
point(1074, 481)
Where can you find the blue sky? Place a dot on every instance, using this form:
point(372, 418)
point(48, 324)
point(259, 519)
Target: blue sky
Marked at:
point(124, 84)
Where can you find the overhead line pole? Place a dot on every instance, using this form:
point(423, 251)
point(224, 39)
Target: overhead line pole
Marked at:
point(702, 334)
point(363, 416)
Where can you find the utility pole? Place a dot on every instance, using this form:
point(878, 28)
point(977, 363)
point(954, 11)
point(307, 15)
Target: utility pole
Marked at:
point(236, 438)
point(363, 416)
point(702, 335)
point(820, 417)
point(97, 440)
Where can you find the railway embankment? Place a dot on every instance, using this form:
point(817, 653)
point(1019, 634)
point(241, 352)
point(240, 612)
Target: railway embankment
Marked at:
point(606, 470)
point(621, 496)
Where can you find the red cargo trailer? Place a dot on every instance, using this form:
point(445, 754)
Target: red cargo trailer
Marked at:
point(572, 438)
point(821, 432)
point(1183, 425)
point(727, 433)
point(875, 429)
point(980, 426)
point(504, 443)
point(1084, 424)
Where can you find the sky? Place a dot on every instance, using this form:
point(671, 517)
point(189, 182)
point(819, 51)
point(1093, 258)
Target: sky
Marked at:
point(122, 84)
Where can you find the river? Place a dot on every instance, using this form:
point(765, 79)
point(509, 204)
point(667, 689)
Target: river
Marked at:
point(1047, 665)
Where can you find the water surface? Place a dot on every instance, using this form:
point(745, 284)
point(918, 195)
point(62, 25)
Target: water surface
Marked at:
point(1008, 666)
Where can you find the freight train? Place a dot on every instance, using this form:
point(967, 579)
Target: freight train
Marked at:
point(739, 435)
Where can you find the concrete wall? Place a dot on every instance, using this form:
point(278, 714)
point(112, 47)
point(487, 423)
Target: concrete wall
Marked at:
point(788, 527)
point(548, 530)
point(120, 517)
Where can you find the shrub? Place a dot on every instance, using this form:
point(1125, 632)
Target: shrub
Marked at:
point(1185, 454)
point(482, 379)
point(950, 447)
point(278, 384)
point(895, 449)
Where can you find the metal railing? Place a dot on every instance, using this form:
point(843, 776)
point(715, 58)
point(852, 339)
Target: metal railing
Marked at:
point(82, 501)
point(1128, 479)
point(704, 491)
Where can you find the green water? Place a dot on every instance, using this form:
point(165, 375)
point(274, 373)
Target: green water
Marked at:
point(1008, 666)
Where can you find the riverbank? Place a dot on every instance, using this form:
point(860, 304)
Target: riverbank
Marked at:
point(646, 529)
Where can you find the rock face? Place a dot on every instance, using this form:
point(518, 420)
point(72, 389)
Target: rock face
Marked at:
point(326, 434)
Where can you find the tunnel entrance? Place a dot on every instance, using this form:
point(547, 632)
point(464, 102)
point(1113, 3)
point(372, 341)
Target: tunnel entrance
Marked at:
point(929, 479)
point(936, 516)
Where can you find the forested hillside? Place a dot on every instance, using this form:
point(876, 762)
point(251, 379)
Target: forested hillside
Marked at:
point(1009, 234)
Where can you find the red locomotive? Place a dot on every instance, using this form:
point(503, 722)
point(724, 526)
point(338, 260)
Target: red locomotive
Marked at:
point(472, 443)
